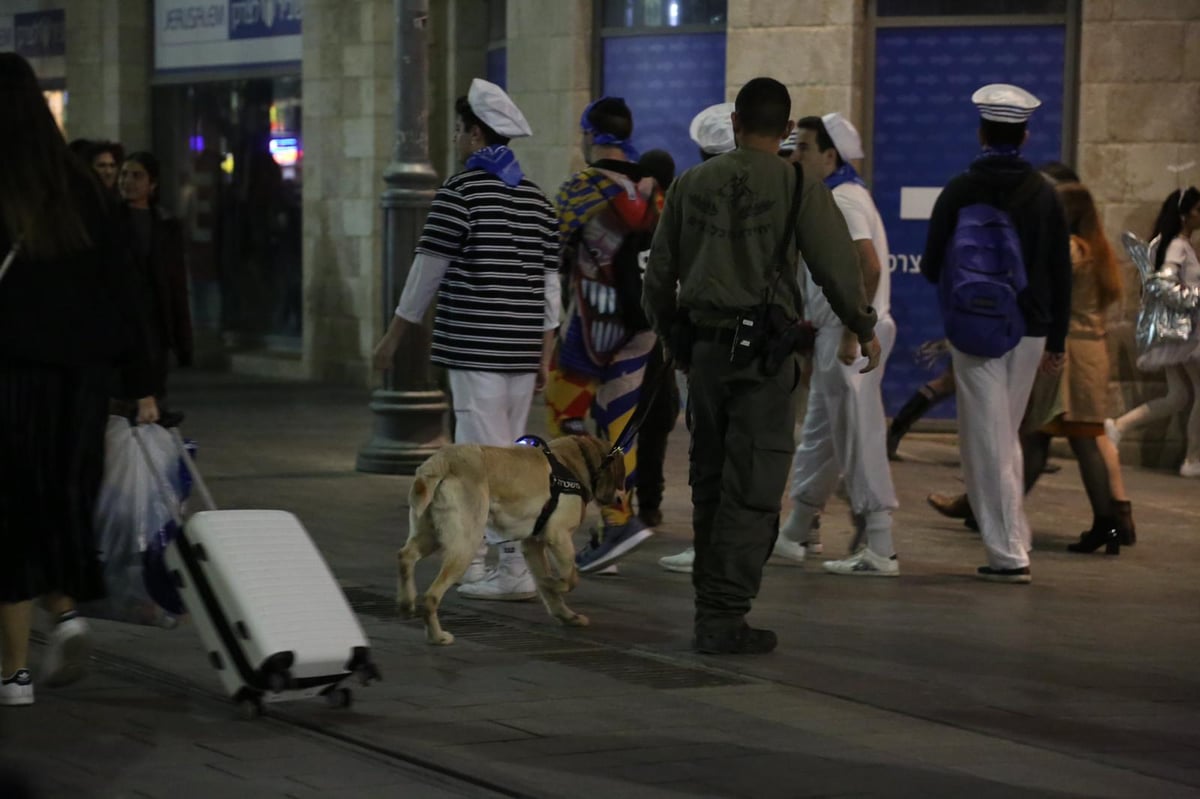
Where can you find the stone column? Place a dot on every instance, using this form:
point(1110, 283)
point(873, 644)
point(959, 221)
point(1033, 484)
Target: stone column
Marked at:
point(1139, 111)
point(816, 47)
point(109, 61)
point(549, 78)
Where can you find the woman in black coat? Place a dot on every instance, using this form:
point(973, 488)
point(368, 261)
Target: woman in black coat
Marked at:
point(67, 320)
point(156, 250)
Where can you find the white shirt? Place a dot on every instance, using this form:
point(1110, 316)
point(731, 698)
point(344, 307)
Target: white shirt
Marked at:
point(864, 222)
point(1181, 253)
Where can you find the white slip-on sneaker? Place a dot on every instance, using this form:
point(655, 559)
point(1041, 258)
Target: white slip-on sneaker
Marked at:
point(16, 690)
point(681, 563)
point(864, 563)
point(502, 584)
point(67, 656)
point(788, 549)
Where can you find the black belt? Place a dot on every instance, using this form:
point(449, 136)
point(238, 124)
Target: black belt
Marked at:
point(716, 335)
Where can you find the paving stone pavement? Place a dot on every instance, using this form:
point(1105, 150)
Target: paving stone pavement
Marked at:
point(1082, 684)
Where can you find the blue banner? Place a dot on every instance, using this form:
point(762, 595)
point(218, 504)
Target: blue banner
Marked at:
point(666, 80)
point(260, 19)
point(925, 133)
point(40, 34)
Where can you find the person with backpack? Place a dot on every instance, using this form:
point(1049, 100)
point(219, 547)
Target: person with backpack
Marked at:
point(998, 248)
point(607, 213)
point(845, 428)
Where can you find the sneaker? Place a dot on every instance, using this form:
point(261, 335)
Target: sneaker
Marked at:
point(788, 549)
point(744, 640)
point(70, 646)
point(1190, 469)
point(1110, 430)
point(865, 563)
point(1020, 575)
point(611, 544)
point(953, 506)
point(478, 569)
point(611, 570)
point(504, 583)
point(17, 689)
point(681, 563)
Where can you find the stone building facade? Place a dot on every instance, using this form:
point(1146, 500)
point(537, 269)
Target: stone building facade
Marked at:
point(1133, 95)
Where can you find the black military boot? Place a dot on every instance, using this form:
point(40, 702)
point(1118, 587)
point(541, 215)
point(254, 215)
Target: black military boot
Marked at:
point(1126, 529)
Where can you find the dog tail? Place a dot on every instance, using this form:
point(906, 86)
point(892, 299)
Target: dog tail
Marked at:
point(420, 496)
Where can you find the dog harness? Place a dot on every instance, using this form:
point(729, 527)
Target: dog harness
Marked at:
point(562, 481)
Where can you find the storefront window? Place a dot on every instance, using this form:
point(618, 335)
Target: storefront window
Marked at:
point(233, 158)
point(663, 13)
point(954, 8)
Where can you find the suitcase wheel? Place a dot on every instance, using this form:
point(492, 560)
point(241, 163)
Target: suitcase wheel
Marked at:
point(249, 708)
point(340, 698)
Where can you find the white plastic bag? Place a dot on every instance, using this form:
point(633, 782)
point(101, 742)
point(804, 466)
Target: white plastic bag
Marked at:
point(130, 511)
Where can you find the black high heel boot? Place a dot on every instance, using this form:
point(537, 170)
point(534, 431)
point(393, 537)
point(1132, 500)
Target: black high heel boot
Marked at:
point(1103, 534)
point(1126, 529)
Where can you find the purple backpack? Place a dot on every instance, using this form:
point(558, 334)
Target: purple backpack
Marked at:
point(984, 272)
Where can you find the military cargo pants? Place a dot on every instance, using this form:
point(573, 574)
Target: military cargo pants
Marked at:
point(741, 450)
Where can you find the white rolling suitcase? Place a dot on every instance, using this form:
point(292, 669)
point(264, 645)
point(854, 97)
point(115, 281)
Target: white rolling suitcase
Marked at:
point(270, 612)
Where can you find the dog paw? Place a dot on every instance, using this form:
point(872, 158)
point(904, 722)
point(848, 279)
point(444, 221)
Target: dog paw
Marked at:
point(441, 639)
point(406, 609)
point(576, 620)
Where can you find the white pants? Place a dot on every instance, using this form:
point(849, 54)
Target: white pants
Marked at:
point(491, 408)
point(992, 394)
point(845, 430)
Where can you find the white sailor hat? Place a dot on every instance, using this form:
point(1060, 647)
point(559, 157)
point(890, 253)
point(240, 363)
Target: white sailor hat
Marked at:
point(844, 134)
point(496, 109)
point(1003, 102)
point(712, 129)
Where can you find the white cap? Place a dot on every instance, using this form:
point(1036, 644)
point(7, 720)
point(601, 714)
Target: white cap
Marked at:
point(1003, 102)
point(496, 109)
point(712, 129)
point(845, 136)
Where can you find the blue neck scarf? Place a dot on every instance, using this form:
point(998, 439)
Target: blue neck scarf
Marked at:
point(497, 160)
point(999, 152)
point(844, 174)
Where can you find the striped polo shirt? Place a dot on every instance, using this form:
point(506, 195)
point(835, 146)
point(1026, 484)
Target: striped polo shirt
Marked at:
point(500, 241)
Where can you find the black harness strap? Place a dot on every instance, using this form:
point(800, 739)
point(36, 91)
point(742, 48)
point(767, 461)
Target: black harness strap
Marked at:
point(562, 481)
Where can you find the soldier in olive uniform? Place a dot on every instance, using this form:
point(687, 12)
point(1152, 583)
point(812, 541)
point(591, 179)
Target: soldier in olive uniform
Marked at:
point(716, 243)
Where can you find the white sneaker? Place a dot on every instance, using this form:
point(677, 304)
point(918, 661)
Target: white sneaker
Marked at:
point(1110, 430)
point(475, 572)
point(864, 563)
point(681, 563)
point(70, 646)
point(1190, 469)
point(504, 583)
point(788, 549)
point(611, 570)
point(17, 689)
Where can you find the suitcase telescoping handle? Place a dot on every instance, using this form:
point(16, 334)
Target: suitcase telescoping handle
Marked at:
point(198, 483)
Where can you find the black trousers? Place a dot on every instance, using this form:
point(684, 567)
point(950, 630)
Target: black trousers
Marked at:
point(741, 452)
point(659, 400)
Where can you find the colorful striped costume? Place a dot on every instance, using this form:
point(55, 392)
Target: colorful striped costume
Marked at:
point(600, 360)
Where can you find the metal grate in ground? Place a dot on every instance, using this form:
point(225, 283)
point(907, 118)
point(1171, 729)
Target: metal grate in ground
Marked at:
point(628, 667)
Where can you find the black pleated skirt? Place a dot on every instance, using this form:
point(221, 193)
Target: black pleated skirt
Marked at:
point(52, 423)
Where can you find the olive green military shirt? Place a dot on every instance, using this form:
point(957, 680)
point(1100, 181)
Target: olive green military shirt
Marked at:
point(722, 223)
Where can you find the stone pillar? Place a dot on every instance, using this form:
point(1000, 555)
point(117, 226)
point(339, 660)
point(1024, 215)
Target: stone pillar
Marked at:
point(109, 60)
point(816, 47)
point(348, 66)
point(550, 79)
point(1139, 102)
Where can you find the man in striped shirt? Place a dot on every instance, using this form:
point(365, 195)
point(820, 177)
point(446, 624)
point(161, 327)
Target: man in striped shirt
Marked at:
point(489, 253)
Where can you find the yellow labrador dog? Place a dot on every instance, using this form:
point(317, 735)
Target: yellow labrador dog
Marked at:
point(462, 487)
